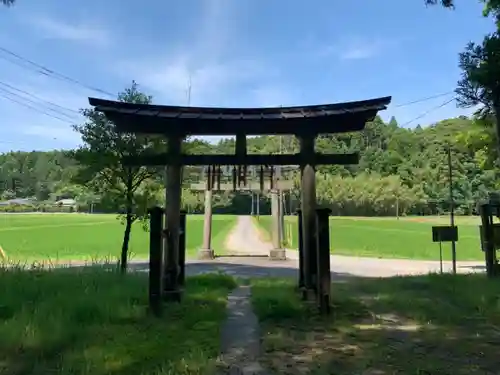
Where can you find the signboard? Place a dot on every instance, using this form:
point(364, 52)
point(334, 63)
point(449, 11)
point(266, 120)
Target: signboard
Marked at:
point(444, 233)
point(496, 236)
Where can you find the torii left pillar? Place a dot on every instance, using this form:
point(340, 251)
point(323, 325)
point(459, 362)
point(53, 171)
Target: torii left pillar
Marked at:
point(171, 246)
point(308, 211)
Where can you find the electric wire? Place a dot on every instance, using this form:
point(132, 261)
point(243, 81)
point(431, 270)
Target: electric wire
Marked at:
point(46, 71)
point(35, 109)
point(34, 103)
point(427, 112)
point(423, 99)
point(38, 98)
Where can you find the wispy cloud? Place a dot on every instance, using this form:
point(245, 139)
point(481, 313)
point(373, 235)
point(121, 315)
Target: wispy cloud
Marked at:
point(210, 82)
point(274, 96)
point(357, 48)
point(85, 32)
point(207, 62)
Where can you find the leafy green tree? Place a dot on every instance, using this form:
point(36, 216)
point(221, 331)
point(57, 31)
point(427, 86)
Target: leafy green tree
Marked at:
point(102, 168)
point(445, 3)
point(480, 82)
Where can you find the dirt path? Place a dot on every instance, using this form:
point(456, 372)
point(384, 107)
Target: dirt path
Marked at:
point(245, 239)
point(241, 335)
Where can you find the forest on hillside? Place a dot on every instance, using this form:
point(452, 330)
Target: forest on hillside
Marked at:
point(401, 171)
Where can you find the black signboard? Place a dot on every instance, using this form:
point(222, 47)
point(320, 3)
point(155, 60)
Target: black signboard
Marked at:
point(444, 233)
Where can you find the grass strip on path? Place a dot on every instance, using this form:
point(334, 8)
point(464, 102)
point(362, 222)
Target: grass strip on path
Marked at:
point(93, 321)
point(432, 324)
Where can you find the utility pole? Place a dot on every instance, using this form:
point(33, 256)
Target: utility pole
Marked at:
point(452, 212)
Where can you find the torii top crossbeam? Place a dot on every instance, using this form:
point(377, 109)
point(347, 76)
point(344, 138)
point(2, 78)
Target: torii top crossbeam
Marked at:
point(175, 120)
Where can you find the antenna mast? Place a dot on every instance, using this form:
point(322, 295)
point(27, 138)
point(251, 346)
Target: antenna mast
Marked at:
point(189, 91)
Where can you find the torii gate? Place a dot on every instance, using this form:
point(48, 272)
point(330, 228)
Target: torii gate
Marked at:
point(251, 180)
point(305, 122)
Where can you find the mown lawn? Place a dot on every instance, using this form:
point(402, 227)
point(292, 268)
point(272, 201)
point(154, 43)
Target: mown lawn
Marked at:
point(436, 324)
point(407, 238)
point(92, 321)
point(54, 237)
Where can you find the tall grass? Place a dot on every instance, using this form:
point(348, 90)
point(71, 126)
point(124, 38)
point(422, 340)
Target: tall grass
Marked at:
point(95, 321)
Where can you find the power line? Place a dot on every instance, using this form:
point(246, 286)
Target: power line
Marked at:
point(428, 111)
point(47, 71)
point(33, 103)
point(58, 112)
point(424, 99)
point(38, 98)
point(35, 109)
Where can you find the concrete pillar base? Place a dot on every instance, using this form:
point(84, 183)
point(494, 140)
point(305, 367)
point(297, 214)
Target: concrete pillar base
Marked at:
point(206, 254)
point(277, 254)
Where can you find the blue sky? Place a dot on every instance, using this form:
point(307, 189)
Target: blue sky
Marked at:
point(238, 53)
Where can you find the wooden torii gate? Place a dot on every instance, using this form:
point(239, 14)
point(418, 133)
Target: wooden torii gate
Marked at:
point(305, 122)
point(253, 181)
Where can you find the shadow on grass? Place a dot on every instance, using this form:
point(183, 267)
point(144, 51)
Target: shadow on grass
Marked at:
point(436, 324)
point(92, 321)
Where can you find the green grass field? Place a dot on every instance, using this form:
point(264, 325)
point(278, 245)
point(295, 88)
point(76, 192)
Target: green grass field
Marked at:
point(94, 322)
point(406, 238)
point(435, 324)
point(54, 237)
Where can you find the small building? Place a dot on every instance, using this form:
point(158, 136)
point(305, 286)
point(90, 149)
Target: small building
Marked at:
point(18, 202)
point(66, 202)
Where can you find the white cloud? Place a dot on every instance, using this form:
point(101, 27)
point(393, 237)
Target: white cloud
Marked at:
point(206, 62)
point(210, 83)
point(274, 96)
point(84, 32)
point(357, 48)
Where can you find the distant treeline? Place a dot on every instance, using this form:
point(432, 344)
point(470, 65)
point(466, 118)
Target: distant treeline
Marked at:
point(400, 171)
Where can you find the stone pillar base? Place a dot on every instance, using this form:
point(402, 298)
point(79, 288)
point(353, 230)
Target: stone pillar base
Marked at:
point(205, 254)
point(277, 254)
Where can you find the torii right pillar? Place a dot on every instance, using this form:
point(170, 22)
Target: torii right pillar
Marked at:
point(308, 211)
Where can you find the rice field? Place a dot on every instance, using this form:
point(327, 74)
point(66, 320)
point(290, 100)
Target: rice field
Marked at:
point(65, 237)
point(406, 238)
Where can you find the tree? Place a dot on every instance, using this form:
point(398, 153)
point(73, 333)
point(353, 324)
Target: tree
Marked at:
point(101, 159)
point(491, 7)
point(445, 3)
point(480, 82)
point(8, 2)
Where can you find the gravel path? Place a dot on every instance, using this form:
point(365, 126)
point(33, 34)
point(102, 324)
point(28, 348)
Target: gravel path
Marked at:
point(245, 239)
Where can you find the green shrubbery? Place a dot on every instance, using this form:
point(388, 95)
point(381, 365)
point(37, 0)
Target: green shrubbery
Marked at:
point(37, 208)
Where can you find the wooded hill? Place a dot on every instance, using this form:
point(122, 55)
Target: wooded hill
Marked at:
point(400, 169)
